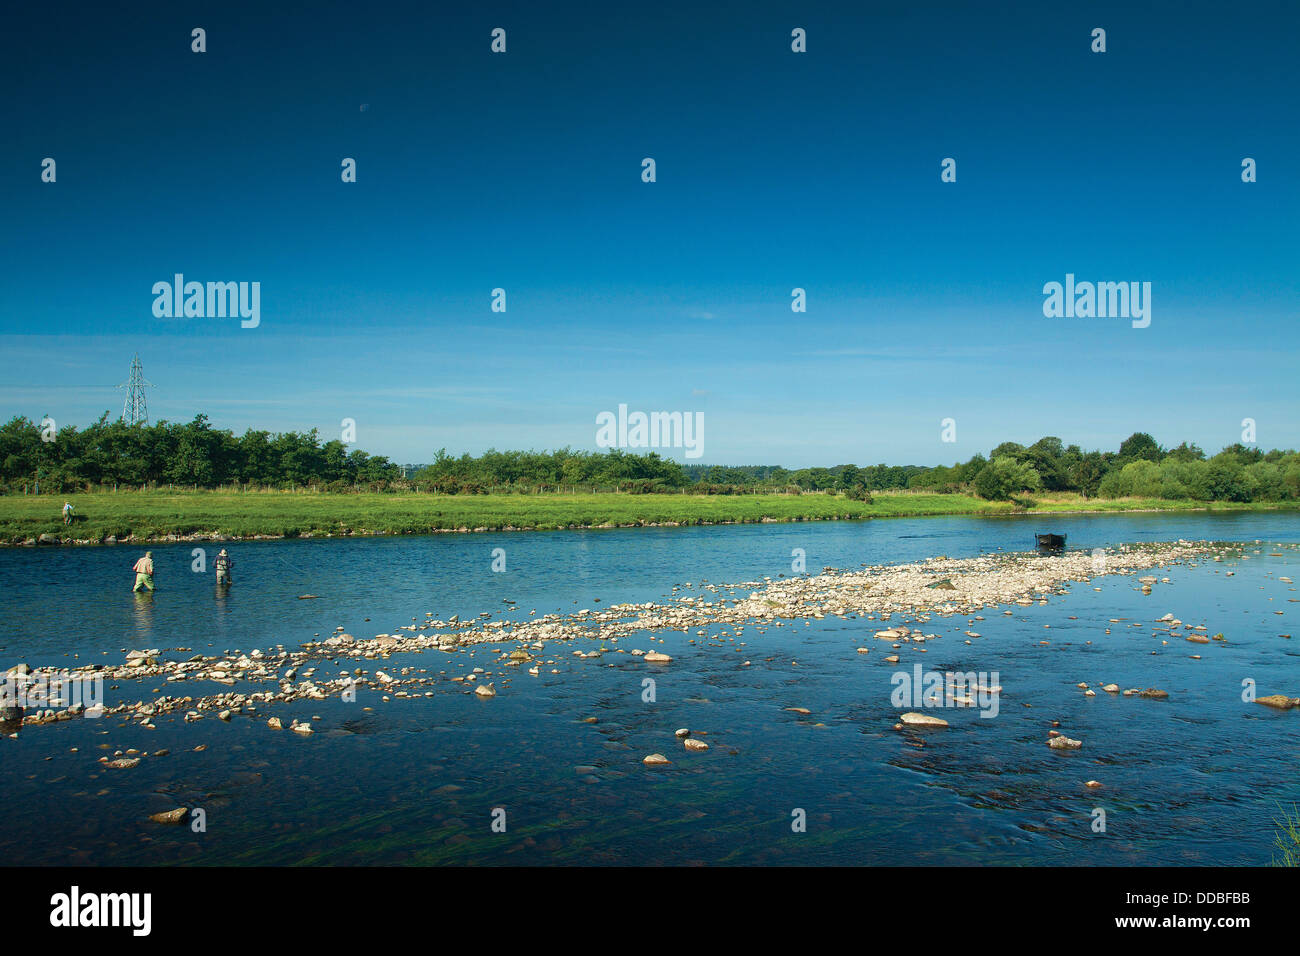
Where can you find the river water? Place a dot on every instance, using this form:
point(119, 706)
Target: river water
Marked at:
point(1196, 779)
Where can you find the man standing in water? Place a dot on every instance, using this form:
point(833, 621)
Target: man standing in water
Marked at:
point(144, 573)
point(224, 564)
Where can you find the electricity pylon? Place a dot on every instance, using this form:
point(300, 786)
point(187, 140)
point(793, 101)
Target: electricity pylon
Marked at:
point(135, 410)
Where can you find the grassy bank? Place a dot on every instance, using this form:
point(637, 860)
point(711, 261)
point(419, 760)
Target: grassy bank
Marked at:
point(154, 515)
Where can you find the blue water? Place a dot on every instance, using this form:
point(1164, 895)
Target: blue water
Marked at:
point(1196, 779)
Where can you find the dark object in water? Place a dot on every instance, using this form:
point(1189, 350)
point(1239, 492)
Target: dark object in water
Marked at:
point(11, 717)
point(1050, 542)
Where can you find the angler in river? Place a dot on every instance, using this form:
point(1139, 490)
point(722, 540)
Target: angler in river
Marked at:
point(144, 573)
point(224, 564)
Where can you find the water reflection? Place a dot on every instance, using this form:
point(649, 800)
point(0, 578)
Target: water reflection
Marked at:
point(143, 617)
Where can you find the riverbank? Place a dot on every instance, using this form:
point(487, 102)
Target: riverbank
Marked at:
point(156, 516)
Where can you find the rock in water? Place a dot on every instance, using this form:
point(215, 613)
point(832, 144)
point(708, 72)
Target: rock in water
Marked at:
point(692, 744)
point(1064, 743)
point(274, 723)
point(1280, 701)
point(171, 816)
point(655, 760)
point(485, 690)
point(922, 720)
point(656, 658)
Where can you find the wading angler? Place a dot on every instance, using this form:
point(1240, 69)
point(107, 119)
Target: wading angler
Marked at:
point(213, 300)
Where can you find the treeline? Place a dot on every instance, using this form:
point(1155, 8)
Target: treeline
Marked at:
point(642, 474)
point(113, 453)
point(550, 471)
point(196, 454)
point(1139, 468)
point(837, 478)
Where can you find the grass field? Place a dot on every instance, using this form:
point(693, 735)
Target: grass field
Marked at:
point(156, 514)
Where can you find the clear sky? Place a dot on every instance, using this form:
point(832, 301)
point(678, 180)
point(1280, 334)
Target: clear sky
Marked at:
point(775, 170)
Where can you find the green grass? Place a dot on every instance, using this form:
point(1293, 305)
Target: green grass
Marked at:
point(155, 514)
point(1287, 839)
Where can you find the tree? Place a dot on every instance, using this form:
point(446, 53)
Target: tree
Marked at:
point(1003, 477)
point(1140, 445)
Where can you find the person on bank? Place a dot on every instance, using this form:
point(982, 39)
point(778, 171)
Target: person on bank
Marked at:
point(144, 573)
point(224, 564)
point(67, 512)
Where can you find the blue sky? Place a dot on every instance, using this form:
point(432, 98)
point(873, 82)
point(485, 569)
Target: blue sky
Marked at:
point(775, 170)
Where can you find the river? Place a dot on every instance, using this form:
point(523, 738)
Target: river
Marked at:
point(1196, 779)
